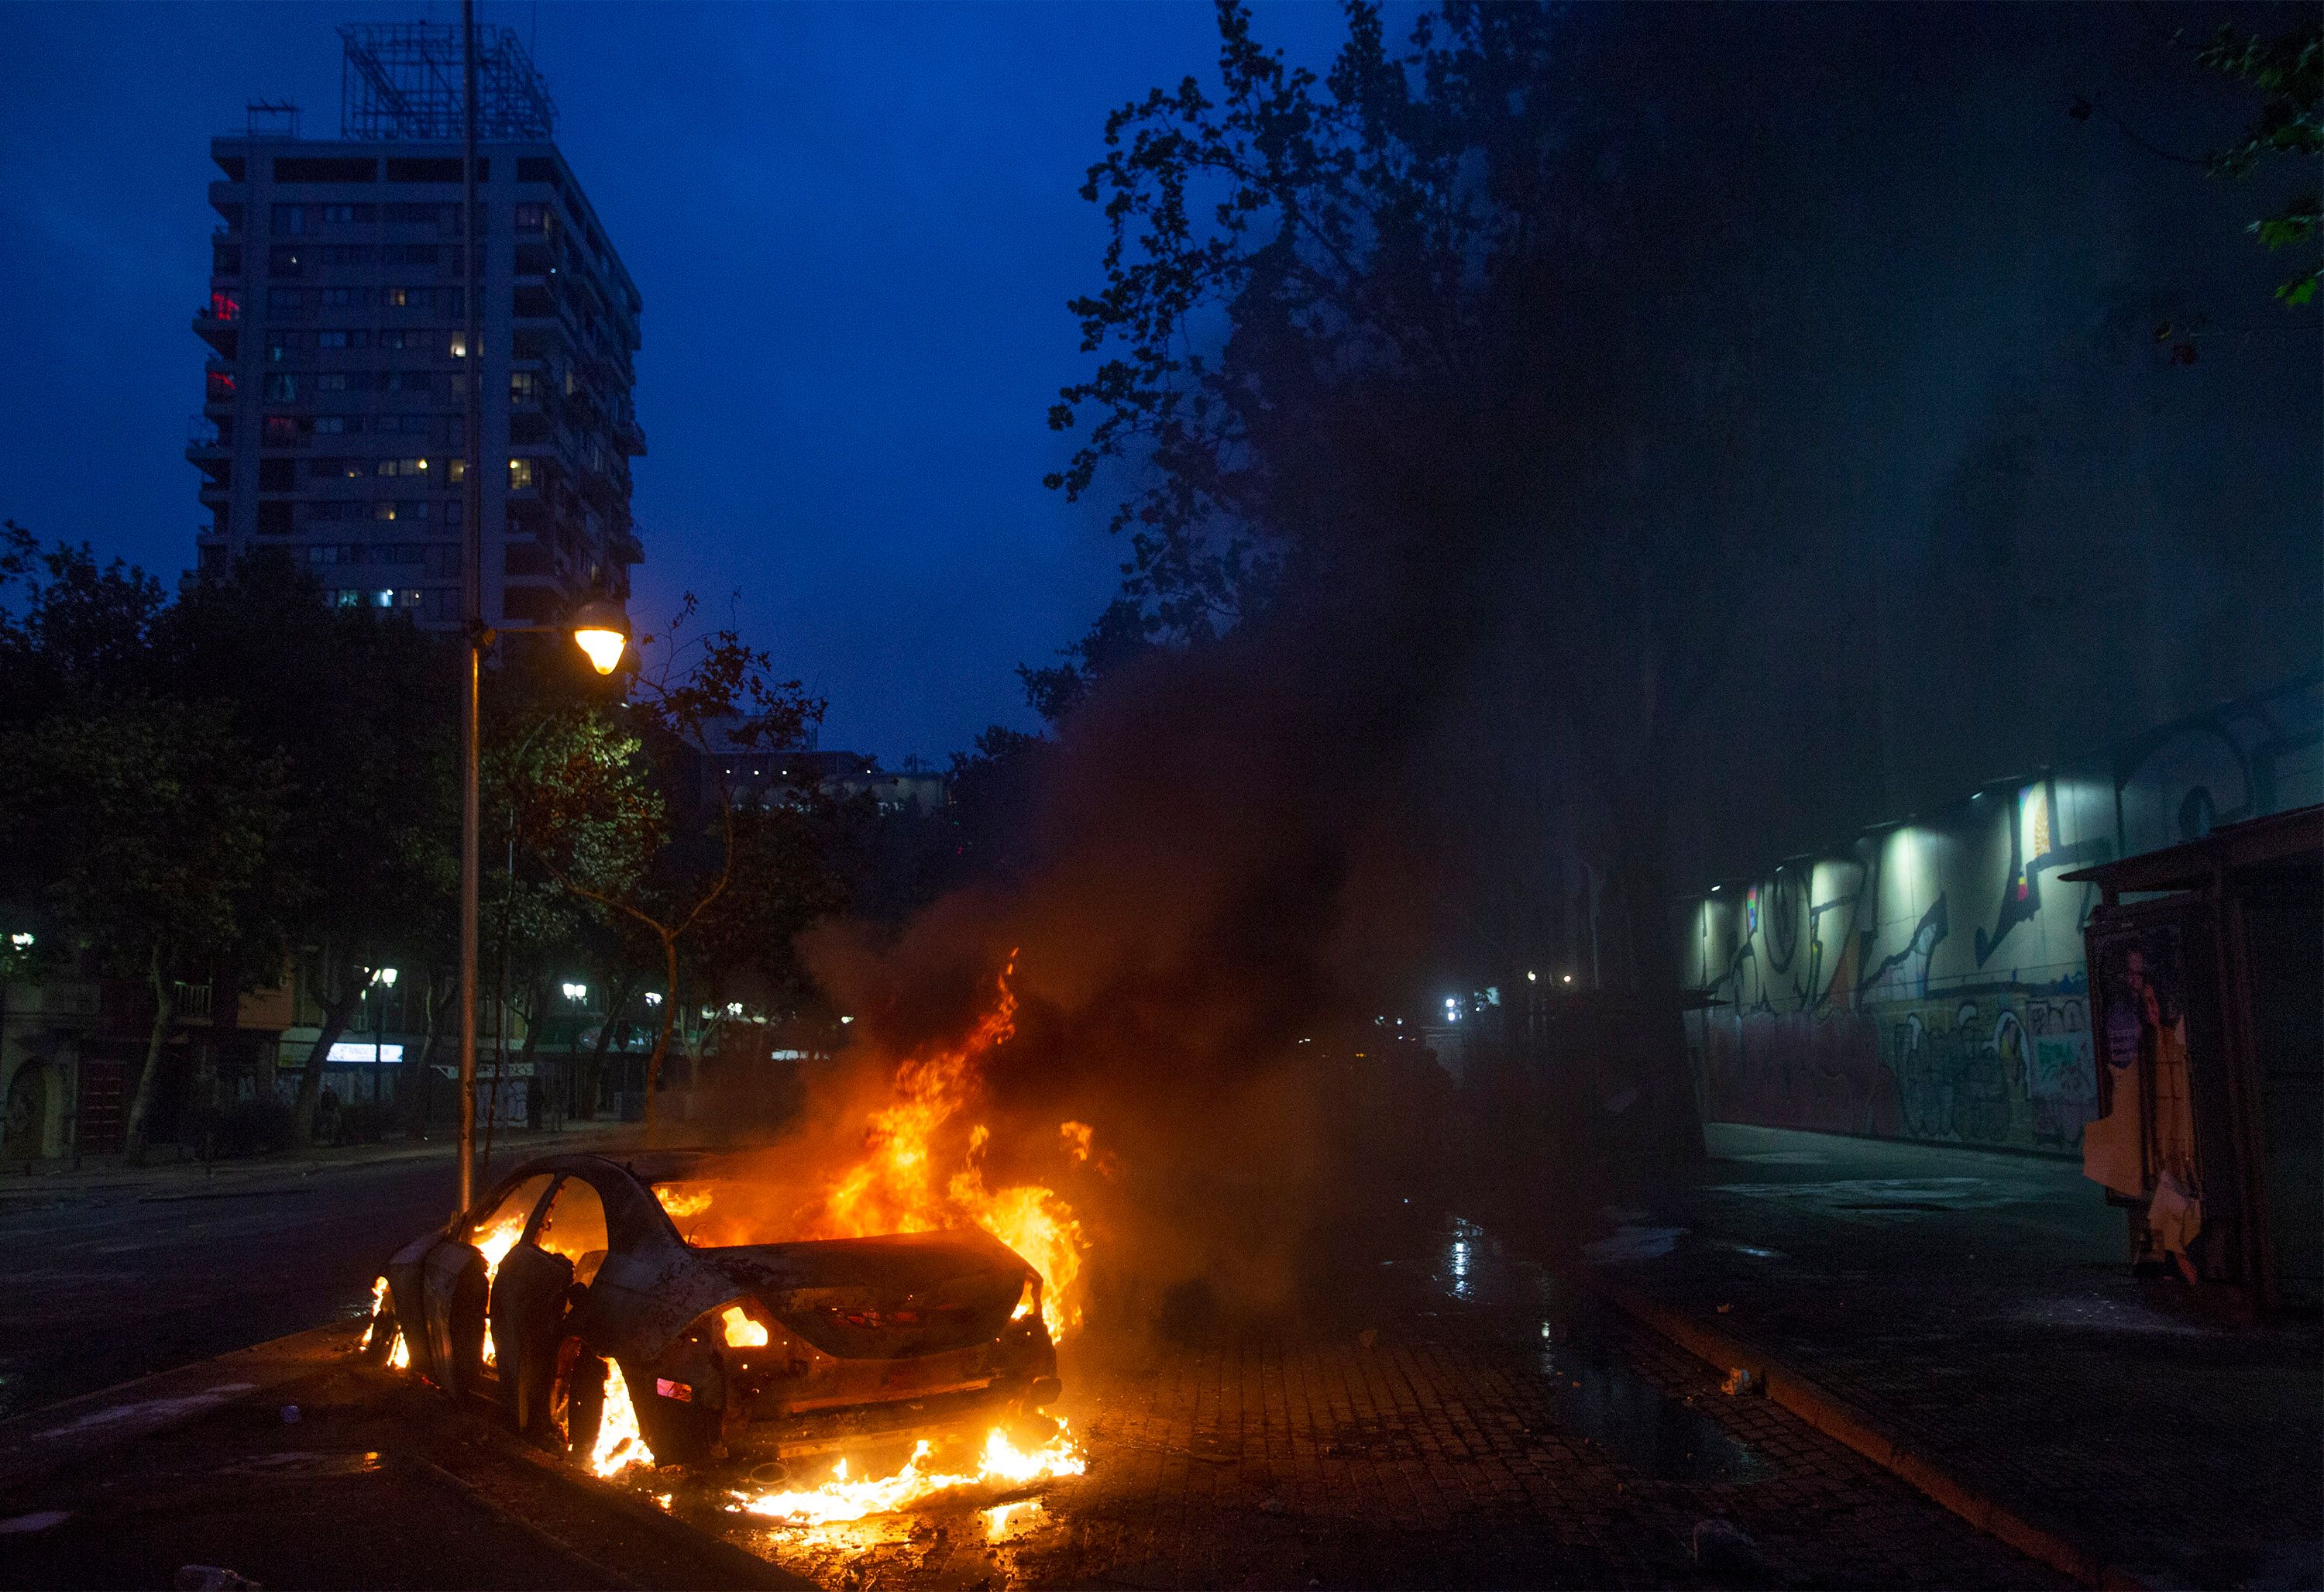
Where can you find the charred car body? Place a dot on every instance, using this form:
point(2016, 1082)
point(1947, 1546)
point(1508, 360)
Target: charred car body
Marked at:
point(574, 1264)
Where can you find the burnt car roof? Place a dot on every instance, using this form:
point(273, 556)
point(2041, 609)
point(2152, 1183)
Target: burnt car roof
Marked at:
point(649, 1167)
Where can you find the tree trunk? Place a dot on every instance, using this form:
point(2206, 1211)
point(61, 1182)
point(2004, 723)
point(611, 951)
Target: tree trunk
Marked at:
point(165, 1013)
point(418, 1079)
point(661, 1040)
point(310, 1078)
point(585, 1095)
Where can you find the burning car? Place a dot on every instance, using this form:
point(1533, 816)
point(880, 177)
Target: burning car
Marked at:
point(593, 1298)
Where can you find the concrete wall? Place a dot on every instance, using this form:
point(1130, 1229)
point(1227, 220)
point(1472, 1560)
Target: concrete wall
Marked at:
point(1925, 981)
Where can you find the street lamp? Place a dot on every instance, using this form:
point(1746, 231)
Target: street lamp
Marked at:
point(601, 629)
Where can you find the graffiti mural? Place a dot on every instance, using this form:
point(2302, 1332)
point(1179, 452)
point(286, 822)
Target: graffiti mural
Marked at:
point(1847, 1004)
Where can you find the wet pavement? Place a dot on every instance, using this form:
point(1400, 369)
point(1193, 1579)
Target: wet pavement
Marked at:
point(1977, 1307)
point(1457, 1420)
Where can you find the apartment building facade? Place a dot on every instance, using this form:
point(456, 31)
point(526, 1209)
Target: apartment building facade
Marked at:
point(334, 395)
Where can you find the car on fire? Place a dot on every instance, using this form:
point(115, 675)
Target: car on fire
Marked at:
point(582, 1274)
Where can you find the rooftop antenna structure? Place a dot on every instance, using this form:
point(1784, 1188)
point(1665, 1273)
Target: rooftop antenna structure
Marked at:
point(401, 82)
point(267, 119)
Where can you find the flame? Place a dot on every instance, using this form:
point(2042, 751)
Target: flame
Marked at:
point(494, 1243)
point(378, 1301)
point(999, 1463)
point(740, 1331)
point(1076, 1136)
point(399, 1353)
point(620, 1444)
point(899, 1186)
point(681, 1203)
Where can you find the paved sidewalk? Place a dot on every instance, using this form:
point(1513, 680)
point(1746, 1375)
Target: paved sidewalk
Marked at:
point(1439, 1414)
point(1977, 1308)
point(109, 1178)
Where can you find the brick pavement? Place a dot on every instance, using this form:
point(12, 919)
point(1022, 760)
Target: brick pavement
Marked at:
point(1977, 1307)
point(1490, 1433)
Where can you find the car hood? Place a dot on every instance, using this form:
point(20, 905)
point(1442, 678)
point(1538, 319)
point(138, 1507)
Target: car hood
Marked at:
point(882, 1298)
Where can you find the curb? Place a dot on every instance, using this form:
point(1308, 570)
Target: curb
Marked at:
point(1845, 1423)
point(44, 1440)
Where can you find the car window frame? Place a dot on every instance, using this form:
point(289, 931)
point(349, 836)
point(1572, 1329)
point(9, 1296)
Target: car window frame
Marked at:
point(549, 1204)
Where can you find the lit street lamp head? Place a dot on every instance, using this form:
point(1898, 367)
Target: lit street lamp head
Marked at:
point(601, 629)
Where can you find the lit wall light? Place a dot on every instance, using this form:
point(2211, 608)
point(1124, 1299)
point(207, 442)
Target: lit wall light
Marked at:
point(653, 997)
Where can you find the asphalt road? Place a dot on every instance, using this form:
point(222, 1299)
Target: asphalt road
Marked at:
point(106, 1286)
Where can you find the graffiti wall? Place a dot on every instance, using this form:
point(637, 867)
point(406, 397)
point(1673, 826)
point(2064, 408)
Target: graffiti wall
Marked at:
point(1925, 981)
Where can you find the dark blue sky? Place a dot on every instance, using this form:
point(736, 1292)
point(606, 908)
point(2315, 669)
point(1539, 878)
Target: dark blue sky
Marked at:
point(855, 229)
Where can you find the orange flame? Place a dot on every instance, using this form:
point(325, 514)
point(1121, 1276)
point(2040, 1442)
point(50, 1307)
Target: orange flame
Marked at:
point(620, 1444)
point(494, 1243)
point(1001, 1463)
point(899, 1187)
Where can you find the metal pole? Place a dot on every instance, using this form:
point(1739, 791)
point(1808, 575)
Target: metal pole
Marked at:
point(472, 617)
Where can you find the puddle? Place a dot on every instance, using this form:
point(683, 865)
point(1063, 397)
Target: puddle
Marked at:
point(1635, 1242)
point(40, 1521)
point(302, 1464)
point(1607, 1401)
point(1595, 1393)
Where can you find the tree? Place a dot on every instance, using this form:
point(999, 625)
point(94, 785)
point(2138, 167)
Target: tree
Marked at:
point(2288, 70)
point(151, 830)
point(368, 745)
point(591, 802)
point(1390, 362)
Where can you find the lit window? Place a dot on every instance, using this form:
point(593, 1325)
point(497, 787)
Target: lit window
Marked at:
point(459, 346)
point(347, 598)
point(281, 386)
point(455, 469)
point(523, 386)
point(382, 510)
point(520, 474)
point(395, 297)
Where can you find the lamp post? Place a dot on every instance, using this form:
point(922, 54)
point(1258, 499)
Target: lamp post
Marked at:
point(599, 627)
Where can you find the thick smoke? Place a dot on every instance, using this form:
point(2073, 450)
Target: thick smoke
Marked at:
point(1866, 303)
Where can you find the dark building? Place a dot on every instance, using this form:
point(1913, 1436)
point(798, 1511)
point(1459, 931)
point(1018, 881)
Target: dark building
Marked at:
point(331, 423)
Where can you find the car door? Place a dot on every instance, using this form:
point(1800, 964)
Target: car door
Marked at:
point(455, 1281)
point(533, 1289)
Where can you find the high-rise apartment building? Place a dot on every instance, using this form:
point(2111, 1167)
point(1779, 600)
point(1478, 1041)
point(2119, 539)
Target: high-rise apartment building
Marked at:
point(332, 416)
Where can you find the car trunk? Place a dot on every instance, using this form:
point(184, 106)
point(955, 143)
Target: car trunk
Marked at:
point(892, 1297)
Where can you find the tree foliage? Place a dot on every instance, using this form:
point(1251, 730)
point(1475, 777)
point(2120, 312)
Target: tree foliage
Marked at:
point(2287, 68)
